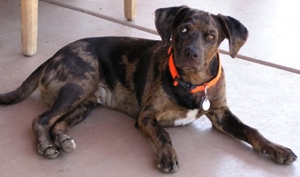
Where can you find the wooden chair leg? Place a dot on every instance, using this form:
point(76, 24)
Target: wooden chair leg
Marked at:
point(29, 22)
point(130, 9)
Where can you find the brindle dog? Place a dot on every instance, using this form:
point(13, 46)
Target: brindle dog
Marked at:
point(132, 75)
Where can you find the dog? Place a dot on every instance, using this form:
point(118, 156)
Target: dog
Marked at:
point(171, 82)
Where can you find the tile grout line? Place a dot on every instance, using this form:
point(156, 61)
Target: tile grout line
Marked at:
point(242, 57)
point(264, 63)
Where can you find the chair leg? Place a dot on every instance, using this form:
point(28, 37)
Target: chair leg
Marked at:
point(29, 22)
point(130, 9)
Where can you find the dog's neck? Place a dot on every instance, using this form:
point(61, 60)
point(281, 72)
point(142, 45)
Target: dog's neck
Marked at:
point(196, 81)
point(207, 73)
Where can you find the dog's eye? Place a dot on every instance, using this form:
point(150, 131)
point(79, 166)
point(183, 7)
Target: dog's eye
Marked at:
point(183, 30)
point(211, 37)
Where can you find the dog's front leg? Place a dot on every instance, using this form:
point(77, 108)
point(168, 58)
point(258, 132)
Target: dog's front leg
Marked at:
point(225, 121)
point(167, 160)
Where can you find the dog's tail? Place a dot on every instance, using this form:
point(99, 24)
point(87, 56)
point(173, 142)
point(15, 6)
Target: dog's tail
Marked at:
point(25, 90)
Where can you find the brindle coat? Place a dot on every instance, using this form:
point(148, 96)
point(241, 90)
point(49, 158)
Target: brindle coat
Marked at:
point(132, 75)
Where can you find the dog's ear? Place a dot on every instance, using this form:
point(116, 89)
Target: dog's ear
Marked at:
point(164, 18)
point(235, 32)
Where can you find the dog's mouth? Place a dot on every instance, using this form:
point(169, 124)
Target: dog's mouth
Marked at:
point(189, 65)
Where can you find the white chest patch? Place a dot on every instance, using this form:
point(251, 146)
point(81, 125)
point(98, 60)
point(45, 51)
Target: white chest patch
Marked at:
point(190, 117)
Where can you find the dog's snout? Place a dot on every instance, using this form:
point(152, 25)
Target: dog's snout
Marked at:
point(191, 53)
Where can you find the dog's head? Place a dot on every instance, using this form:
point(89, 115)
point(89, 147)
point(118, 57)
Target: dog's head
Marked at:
point(196, 35)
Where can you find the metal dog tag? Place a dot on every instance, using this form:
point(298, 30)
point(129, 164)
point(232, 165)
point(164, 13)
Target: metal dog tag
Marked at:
point(205, 102)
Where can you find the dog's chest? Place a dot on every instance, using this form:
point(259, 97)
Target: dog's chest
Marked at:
point(191, 115)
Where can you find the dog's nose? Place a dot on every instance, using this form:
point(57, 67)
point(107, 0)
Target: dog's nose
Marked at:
point(191, 53)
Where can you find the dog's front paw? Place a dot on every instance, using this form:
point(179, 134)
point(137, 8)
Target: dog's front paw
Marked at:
point(167, 160)
point(48, 150)
point(278, 153)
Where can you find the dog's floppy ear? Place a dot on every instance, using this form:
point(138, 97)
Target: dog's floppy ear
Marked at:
point(164, 18)
point(235, 32)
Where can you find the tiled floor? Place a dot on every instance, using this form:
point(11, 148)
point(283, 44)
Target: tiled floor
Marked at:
point(107, 142)
point(273, 24)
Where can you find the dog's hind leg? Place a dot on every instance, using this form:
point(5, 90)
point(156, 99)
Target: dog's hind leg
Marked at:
point(69, 97)
point(78, 114)
point(223, 120)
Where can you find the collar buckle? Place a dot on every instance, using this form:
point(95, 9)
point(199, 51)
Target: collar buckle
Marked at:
point(184, 84)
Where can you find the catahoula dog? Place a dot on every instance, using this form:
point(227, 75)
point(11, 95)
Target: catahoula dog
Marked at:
point(160, 83)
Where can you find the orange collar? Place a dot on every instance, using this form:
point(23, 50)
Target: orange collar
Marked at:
point(191, 87)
